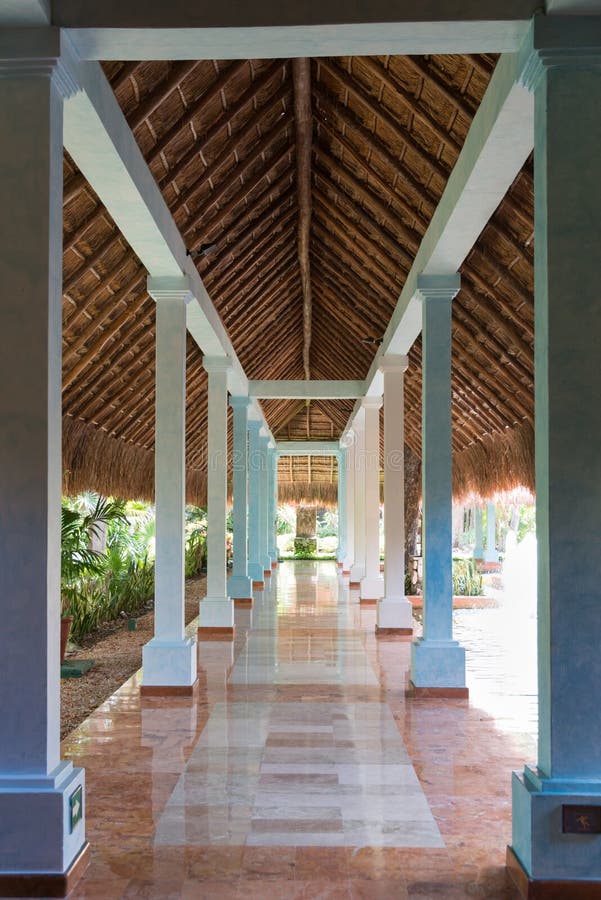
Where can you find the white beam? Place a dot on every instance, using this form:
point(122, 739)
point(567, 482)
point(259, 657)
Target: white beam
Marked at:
point(306, 390)
point(303, 40)
point(24, 12)
point(308, 448)
point(498, 143)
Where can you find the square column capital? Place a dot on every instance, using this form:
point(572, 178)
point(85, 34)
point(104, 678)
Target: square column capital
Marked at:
point(394, 363)
point(237, 402)
point(214, 364)
point(170, 288)
point(560, 41)
point(438, 287)
point(371, 402)
point(43, 52)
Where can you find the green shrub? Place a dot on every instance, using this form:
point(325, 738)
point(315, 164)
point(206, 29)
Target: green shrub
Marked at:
point(467, 581)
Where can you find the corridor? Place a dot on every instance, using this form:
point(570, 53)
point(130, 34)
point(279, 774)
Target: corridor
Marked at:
point(300, 768)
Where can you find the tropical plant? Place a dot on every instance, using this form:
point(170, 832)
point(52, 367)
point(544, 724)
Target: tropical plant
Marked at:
point(78, 559)
point(467, 581)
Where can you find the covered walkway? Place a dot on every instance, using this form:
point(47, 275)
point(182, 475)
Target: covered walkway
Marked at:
point(300, 768)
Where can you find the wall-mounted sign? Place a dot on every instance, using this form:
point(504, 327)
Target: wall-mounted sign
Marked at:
point(76, 807)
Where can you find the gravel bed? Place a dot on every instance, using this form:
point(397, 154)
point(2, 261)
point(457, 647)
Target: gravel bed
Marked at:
point(117, 654)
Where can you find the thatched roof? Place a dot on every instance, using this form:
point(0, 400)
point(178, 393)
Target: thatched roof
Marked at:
point(221, 139)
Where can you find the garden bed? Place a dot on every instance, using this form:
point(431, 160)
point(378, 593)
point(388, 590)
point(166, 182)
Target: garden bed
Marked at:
point(459, 602)
point(117, 654)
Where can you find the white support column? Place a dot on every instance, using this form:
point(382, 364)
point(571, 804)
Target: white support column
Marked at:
point(490, 554)
point(273, 507)
point(437, 661)
point(478, 546)
point(169, 659)
point(358, 568)
point(341, 461)
point(395, 613)
point(556, 803)
point(264, 479)
point(372, 584)
point(255, 564)
point(38, 791)
point(349, 557)
point(239, 583)
point(217, 609)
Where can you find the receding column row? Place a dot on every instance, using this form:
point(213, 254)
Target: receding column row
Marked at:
point(438, 662)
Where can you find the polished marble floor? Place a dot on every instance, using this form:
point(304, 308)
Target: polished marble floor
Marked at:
point(301, 770)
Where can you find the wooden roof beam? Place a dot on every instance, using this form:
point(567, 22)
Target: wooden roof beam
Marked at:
point(199, 147)
point(303, 121)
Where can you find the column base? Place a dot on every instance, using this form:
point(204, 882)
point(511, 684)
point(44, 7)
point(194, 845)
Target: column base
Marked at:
point(46, 885)
point(239, 586)
point(259, 585)
point(372, 588)
point(274, 564)
point(491, 557)
point(168, 665)
point(356, 574)
point(394, 616)
point(556, 833)
point(548, 889)
point(215, 633)
point(216, 616)
point(43, 831)
point(478, 553)
point(438, 664)
point(267, 564)
point(243, 602)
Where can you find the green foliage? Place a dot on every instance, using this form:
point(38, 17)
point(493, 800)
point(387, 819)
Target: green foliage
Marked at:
point(527, 522)
point(98, 586)
point(327, 523)
point(286, 519)
point(78, 527)
point(196, 548)
point(467, 581)
point(305, 548)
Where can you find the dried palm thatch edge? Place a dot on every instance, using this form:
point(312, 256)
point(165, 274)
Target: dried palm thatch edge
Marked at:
point(93, 460)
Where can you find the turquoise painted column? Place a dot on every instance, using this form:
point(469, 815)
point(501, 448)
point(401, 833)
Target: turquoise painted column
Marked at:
point(216, 608)
point(264, 557)
point(36, 837)
point(341, 460)
point(490, 554)
point(478, 546)
point(255, 565)
point(273, 506)
point(350, 504)
point(358, 567)
point(437, 661)
point(395, 612)
point(565, 74)
point(239, 583)
point(372, 583)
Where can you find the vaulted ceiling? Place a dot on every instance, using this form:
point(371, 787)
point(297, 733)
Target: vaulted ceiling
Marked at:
point(313, 182)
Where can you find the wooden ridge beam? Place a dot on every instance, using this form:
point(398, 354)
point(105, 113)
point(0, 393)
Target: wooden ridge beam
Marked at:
point(303, 120)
